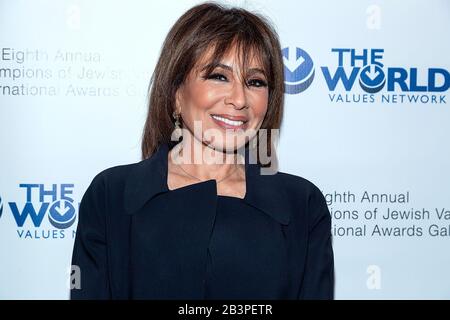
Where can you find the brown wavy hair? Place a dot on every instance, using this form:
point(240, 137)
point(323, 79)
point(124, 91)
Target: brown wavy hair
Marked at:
point(211, 26)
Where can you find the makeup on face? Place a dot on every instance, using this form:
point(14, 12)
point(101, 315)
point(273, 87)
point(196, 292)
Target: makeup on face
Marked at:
point(223, 101)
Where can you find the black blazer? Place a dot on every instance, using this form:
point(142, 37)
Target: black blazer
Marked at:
point(136, 239)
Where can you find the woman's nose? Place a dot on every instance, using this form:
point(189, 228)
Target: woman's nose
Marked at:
point(237, 96)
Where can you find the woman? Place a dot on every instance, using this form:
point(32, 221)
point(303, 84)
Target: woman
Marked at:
point(198, 218)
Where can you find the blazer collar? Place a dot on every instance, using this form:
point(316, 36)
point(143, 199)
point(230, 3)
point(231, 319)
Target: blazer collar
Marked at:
point(148, 178)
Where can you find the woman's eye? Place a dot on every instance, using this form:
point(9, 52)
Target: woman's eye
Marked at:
point(217, 76)
point(257, 83)
point(253, 82)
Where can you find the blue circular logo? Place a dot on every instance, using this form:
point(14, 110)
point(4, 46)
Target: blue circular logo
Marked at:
point(298, 70)
point(372, 78)
point(62, 214)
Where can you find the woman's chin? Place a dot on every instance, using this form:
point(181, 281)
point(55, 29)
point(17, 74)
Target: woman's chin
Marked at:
point(225, 147)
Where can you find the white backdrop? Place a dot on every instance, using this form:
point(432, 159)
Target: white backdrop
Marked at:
point(73, 80)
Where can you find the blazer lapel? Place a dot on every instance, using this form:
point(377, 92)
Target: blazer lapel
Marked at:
point(264, 192)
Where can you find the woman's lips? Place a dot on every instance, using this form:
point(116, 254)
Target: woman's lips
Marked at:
point(227, 123)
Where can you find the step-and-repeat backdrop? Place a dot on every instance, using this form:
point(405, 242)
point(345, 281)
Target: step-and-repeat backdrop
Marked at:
point(367, 119)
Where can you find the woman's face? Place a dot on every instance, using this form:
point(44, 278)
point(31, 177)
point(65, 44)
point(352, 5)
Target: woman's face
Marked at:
point(220, 110)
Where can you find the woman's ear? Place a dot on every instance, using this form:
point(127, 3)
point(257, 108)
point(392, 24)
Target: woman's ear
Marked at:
point(178, 99)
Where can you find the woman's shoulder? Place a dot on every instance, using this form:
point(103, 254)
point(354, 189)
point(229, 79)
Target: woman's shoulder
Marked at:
point(114, 174)
point(112, 181)
point(108, 188)
point(297, 184)
point(303, 192)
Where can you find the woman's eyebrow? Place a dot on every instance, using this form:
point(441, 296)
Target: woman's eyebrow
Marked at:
point(227, 67)
point(218, 65)
point(256, 70)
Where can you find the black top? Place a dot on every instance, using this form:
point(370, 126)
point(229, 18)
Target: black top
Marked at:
point(137, 239)
point(240, 263)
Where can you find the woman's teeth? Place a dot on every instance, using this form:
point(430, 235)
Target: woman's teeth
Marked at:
point(230, 122)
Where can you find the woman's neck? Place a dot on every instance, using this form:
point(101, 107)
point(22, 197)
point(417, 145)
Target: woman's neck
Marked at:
point(204, 162)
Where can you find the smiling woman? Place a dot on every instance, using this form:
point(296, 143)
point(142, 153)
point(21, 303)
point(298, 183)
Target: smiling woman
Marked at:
point(221, 99)
point(197, 218)
point(231, 56)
